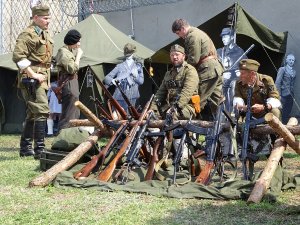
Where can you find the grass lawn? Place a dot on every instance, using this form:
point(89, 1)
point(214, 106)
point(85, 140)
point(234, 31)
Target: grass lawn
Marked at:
point(22, 205)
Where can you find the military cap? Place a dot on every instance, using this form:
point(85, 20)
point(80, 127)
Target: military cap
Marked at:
point(40, 10)
point(226, 31)
point(129, 49)
point(177, 48)
point(249, 64)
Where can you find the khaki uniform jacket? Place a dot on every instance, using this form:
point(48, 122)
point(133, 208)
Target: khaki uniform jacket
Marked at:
point(183, 83)
point(35, 45)
point(263, 89)
point(65, 62)
point(198, 46)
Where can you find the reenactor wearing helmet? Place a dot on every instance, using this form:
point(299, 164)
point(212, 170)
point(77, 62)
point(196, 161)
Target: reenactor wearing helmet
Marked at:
point(32, 54)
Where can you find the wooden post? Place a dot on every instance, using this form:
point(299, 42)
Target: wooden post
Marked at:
point(263, 183)
point(46, 177)
point(91, 116)
point(280, 129)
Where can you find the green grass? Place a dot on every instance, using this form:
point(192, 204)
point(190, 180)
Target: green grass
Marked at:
point(22, 205)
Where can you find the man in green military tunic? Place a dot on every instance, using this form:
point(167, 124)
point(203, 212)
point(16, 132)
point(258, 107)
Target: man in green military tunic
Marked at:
point(181, 83)
point(265, 97)
point(202, 54)
point(32, 54)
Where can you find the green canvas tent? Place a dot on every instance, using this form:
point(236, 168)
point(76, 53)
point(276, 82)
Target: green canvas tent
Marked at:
point(103, 47)
point(269, 50)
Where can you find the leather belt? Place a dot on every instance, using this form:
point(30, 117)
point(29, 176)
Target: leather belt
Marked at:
point(39, 64)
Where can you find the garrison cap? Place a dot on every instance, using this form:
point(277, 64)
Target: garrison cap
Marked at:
point(129, 49)
point(177, 48)
point(40, 10)
point(249, 64)
point(226, 31)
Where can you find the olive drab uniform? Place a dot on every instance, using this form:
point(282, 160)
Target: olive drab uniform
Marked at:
point(182, 82)
point(35, 45)
point(202, 54)
point(263, 89)
point(68, 69)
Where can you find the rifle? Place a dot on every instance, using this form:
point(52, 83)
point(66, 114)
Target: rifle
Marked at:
point(246, 155)
point(87, 169)
point(106, 174)
point(114, 102)
point(212, 144)
point(165, 131)
point(101, 108)
point(138, 142)
point(58, 90)
point(131, 108)
point(239, 59)
point(134, 113)
point(178, 153)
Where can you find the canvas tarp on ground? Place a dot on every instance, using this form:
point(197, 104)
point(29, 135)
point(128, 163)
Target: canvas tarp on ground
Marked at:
point(102, 45)
point(269, 49)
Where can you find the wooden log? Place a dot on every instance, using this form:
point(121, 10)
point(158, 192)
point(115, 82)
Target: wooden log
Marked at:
point(46, 177)
point(263, 183)
point(80, 123)
point(280, 129)
point(91, 116)
point(260, 129)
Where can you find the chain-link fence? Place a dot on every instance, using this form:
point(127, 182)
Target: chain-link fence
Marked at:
point(15, 15)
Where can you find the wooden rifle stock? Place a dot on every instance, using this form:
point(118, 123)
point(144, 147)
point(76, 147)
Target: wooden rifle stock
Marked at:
point(106, 174)
point(205, 174)
point(110, 97)
point(154, 159)
point(87, 169)
point(58, 90)
point(102, 109)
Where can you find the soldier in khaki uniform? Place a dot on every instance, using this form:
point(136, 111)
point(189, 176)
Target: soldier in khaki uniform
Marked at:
point(265, 96)
point(32, 54)
point(67, 62)
point(181, 81)
point(202, 54)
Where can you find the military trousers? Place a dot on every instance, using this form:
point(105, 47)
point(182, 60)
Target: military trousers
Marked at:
point(211, 89)
point(37, 108)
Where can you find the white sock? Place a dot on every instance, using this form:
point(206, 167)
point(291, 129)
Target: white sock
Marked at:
point(50, 126)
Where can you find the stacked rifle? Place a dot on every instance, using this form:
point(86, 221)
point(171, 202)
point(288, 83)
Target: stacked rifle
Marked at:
point(134, 144)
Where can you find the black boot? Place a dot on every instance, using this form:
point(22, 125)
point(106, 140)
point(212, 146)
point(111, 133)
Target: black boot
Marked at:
point(26, 139)
point(39, 138)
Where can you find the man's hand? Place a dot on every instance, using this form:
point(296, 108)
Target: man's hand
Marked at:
point(257, 108)
point(40, 77)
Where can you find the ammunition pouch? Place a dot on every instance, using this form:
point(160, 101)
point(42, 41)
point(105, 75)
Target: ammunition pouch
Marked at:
point(30, 85)
point(195, 99)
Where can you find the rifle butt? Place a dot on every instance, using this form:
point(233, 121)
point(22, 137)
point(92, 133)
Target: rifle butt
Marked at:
point(106, 174)
point(154, 159)
point(87, 169)
point(204, 176)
